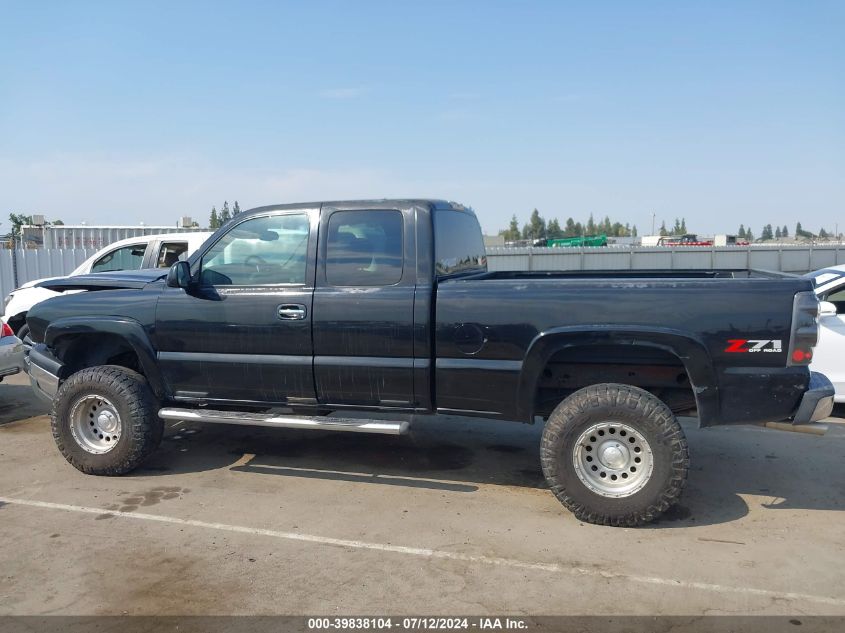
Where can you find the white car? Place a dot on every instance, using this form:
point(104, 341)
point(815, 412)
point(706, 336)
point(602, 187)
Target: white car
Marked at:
point(829, 354)
point(143, 251)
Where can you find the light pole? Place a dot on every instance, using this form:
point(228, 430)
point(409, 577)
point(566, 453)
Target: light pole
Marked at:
point(653, 216)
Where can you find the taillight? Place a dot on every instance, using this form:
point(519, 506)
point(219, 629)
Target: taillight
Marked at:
point(6, 331)
point(805, 328)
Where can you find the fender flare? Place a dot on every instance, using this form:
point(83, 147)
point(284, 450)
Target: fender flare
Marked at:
point(127, 329)
point(690, 351)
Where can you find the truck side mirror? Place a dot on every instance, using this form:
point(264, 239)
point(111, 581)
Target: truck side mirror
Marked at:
point(826, 308)
point(179, 275)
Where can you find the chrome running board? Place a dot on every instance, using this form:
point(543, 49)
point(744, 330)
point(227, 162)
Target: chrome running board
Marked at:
point(320, 423)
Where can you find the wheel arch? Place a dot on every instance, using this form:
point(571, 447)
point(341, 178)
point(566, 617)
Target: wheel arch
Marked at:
point(691, 353)
point(17, 321)
point(71, 333)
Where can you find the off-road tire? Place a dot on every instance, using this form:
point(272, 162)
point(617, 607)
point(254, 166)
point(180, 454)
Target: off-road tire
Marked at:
point(141, 428)
point(637, 409)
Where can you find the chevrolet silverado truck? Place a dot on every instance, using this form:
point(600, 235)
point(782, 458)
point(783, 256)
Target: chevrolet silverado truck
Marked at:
point(292, 316)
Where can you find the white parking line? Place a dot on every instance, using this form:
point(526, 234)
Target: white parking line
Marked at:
point(422, 552)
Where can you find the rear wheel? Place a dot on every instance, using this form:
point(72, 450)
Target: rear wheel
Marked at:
point(614, 455)
point(105, 420)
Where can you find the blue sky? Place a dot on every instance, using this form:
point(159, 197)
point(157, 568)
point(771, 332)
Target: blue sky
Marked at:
point(721, 112)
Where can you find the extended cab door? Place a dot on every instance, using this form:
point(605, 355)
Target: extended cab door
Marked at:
point(243, 331)
point(364, 308)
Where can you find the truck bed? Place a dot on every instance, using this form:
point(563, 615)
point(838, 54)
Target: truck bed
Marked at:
point(688, 322)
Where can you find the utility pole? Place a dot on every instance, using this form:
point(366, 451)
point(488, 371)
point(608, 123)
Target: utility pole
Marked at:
point(653, 216)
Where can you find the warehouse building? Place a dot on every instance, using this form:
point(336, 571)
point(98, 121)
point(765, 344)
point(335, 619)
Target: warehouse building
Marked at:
point(43, 235)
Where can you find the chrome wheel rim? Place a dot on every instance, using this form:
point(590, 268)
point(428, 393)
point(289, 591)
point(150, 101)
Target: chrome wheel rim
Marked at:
point(95, 424)
point(613, 459)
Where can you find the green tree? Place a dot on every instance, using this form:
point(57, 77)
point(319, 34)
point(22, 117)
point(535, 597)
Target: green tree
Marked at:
point(225, 214)
point(676, 230)
point(741, 231)
point(236, 209)
point(591, 226)
point(553, 230)
point(663, 231)
point(778, 234)
point(767, 233)
point(800, 232)
point(511, 233)
point(570, 230)
point(785, 231)
point(683, 226)
point(214, 221)
point(823, 234)
point(749, 235)
point(536, 227)
point(634, 231)
point(18, 220)
point(57, 223)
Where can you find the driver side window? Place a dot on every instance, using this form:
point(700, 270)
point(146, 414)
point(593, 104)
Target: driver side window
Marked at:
point(125, 258)
point(260, 251)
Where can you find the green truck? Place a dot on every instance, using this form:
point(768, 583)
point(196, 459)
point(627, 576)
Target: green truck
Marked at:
point(583, 240)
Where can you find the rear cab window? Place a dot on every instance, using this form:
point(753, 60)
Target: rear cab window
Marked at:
point(364, 248)
point(458, 244)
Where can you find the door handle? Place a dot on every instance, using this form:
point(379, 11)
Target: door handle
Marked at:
point(292, 311)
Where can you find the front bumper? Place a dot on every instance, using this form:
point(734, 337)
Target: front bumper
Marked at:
point(817, 402)
point(11, 355)
point(45, 372)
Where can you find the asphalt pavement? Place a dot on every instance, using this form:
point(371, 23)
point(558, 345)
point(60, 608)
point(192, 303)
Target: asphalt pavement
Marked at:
point(452, 518)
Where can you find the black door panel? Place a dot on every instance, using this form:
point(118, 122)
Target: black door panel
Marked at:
point(235, 345)
point(364, 308)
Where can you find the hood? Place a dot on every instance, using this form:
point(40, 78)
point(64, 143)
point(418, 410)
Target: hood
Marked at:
point(36, 282)
point(105, 281)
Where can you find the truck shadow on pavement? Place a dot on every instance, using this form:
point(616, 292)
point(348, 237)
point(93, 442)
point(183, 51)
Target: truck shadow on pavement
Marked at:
point(434, 455)
point(17, 401)
point(731, 468)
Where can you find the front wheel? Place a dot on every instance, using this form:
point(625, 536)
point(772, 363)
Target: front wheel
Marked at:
point(105, 420)
point(614, 455)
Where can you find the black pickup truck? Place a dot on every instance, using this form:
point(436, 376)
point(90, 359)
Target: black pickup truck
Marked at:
point(290, 315)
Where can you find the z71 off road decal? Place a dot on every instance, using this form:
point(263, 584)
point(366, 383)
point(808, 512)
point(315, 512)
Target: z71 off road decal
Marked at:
point(754, 345)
